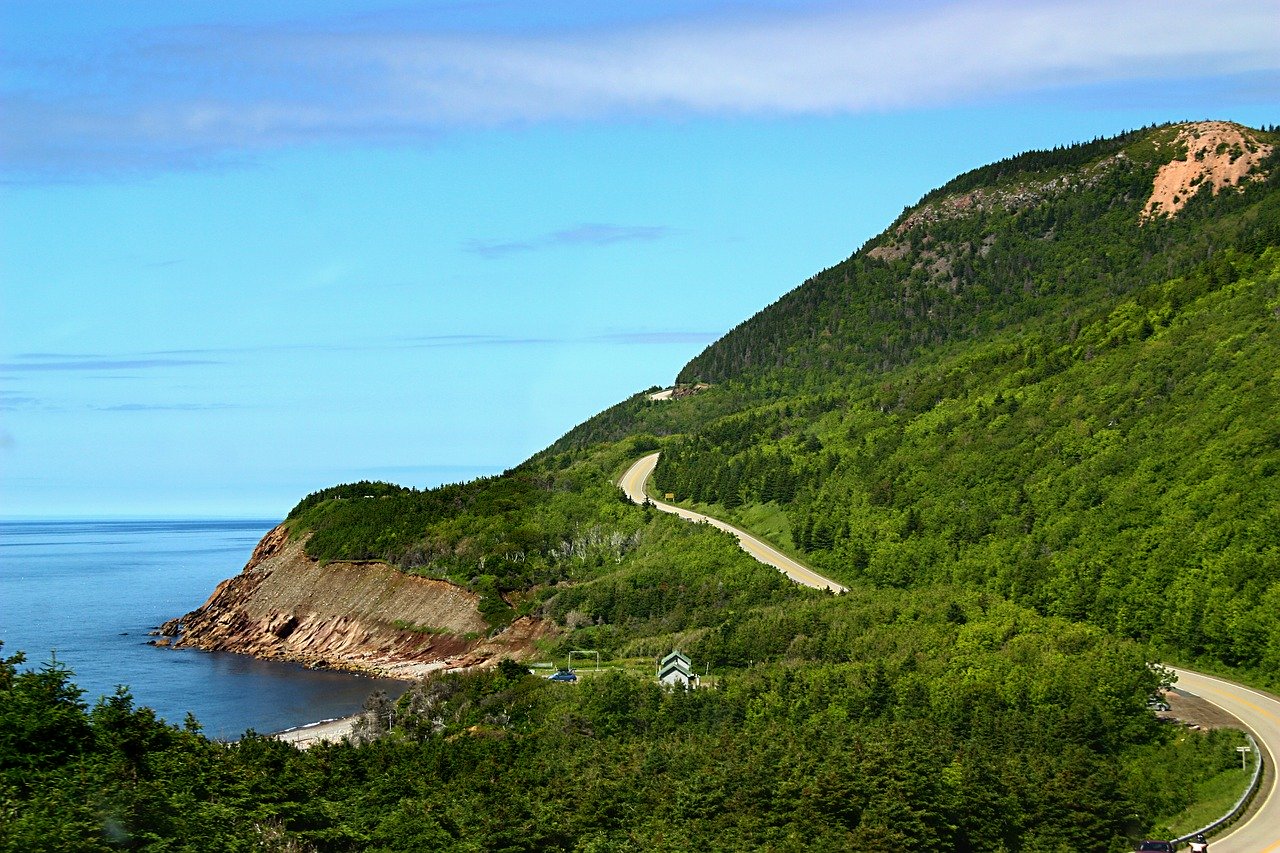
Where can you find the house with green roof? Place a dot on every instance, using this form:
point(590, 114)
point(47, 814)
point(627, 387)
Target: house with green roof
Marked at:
point(677, 670)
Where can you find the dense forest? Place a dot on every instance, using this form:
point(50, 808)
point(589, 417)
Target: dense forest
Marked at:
point(1124, 473)
point(943, 722)
point(1036, 435)
point(1023, 244)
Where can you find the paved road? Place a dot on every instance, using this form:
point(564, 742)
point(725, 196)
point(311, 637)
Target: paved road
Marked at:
point(1261, 713)
point(633, 483)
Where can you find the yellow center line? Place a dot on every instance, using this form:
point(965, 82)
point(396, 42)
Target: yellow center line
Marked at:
point(1263, 711)
point(1234, 697)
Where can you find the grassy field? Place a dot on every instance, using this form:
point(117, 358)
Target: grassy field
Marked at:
point(1215, 796)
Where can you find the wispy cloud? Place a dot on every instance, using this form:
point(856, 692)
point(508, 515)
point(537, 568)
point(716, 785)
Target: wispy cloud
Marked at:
point(611, 338)
point(659, 338)
point(427, 341)
point(589, 234)
point(450, 473)
point(166, 407)
point(195, 96)
point(41, 363)
point(595, 234)
point(13, 402)
point(102, 364)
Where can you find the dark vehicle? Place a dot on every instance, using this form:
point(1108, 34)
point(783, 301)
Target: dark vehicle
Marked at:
point(1155, 847)
point(562, 675)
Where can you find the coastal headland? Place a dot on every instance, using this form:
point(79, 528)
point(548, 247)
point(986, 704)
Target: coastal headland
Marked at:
point(363, 617)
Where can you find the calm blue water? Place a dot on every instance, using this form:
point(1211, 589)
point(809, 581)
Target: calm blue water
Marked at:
point(91, 590)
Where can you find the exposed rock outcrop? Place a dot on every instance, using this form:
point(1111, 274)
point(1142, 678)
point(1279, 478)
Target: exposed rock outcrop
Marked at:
point(1219, 155)
point(1021, 196)
point(362, 616)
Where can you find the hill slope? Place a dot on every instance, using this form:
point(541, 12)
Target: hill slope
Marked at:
point(1034, 428)
point(1039, 382)
point(1022, 241)
point(1052, 379)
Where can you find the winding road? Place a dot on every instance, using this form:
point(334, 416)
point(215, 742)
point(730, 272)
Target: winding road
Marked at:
point(1260, 712)
point(633, 483)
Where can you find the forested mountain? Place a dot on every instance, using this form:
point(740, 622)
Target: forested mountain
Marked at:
point(1034, 426)
point(1036, 383)
point(1028, 241)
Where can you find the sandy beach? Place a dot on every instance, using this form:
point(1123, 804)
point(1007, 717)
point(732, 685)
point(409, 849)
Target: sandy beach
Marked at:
point(330, 731)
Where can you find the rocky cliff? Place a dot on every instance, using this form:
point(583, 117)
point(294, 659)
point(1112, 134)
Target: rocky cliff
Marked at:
point(361, 616)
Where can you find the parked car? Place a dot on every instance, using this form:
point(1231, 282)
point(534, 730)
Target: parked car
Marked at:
point(1156, 847)
point(562, 675)
point(1156, 703)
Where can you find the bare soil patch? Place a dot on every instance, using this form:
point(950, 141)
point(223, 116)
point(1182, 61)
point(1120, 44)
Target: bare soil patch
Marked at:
point(1192, 711)
point(1219, 155)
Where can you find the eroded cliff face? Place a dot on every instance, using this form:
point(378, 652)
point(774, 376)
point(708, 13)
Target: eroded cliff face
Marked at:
point(365, 616)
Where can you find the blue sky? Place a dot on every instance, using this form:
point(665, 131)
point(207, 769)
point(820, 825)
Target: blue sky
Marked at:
point(250, 250)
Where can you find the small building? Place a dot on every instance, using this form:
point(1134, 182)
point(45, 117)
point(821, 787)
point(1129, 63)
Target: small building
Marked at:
point(676, 670)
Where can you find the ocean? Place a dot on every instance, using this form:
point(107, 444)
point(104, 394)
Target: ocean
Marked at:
point(88, 593)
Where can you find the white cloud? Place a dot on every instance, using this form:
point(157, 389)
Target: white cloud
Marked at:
point(196, 94)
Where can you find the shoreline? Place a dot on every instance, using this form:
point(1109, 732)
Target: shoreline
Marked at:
point(308, 735)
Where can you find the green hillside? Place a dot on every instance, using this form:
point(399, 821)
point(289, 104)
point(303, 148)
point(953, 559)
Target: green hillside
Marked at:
point(1026, 242)
point(1033, 426)
point(1084, 419)
point(1122, 470)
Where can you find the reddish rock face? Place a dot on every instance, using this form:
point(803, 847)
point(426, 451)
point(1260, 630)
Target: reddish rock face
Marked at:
point(1219, 155)
point(365, 616)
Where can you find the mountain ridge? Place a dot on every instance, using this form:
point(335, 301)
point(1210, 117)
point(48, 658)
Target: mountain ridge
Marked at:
point(936, 274)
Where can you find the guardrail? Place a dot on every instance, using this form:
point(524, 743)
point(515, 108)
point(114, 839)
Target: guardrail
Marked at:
point(1241, 804)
